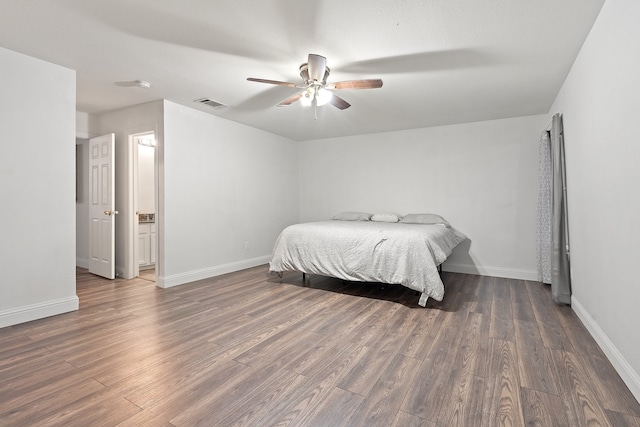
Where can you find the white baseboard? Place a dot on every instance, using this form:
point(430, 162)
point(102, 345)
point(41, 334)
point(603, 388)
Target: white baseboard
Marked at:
point(509, 273)
point(192, 276)
point(31, 312)
point(626, 372)
point(205, 273)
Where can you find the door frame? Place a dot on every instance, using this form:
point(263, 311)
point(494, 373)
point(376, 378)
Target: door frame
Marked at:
point(132, 269)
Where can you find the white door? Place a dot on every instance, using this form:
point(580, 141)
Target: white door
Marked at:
point(102, 206)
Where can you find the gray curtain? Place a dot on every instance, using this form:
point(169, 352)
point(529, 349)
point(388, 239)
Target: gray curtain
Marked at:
point(544, 209)
point(553, 229)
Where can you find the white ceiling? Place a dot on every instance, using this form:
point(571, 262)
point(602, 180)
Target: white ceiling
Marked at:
point(442, 61)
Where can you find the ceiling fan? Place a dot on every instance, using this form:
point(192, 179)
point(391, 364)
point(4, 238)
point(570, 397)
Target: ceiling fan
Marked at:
point(315, 90)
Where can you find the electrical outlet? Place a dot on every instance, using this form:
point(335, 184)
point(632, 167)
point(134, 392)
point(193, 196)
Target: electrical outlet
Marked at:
point(247, 245)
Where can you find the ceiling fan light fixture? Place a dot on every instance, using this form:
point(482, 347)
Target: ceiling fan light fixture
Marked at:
point(307, 98)
point(320, 95)
point(323, 96)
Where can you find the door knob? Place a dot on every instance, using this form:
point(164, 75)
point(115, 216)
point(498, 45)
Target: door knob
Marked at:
point(109, 213)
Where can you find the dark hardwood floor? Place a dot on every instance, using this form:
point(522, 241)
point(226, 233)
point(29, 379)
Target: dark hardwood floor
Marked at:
point(247, 349)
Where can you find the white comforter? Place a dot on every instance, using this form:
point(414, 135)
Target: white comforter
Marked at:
point(367, 251)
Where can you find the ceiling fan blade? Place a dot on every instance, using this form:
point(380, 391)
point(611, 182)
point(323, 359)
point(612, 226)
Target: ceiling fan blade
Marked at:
point(338, 102)
point(317, 66)
point(290, 100)
point(274, 82)
point(356, 84)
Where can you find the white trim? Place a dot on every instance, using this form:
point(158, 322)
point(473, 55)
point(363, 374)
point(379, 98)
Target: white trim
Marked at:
point(509, 273)
point(82, 262)
point(191, 276)
point(132, 263)
point(28, 313)
point(626, 372)
point(205, 273)
point(130, 269)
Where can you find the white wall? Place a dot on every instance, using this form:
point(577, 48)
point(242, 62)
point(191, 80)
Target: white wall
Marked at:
point(124, 122)
point(86, 125)
point(223, 184)
point(600, 100)
point(146, 179)
point(482, 177)
point(37, 172)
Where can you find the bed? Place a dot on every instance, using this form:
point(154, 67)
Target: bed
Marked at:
point(407, 252)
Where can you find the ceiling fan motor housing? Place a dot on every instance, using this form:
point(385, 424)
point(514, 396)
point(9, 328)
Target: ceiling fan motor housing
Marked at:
point(304, 73)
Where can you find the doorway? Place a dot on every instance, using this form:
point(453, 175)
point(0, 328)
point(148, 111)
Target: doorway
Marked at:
point(127, 230)
point(144, 196)
point(82, 202)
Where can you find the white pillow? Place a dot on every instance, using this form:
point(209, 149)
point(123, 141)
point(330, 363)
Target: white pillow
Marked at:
point(352, 216)
point(424, 218)
point(386, 217)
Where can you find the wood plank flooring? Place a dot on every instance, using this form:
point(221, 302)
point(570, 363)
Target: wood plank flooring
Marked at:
point(248, 349)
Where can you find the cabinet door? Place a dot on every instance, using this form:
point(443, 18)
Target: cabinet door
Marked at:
point(144, 253)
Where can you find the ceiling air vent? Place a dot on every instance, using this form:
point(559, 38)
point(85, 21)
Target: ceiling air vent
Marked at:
point(210, 103)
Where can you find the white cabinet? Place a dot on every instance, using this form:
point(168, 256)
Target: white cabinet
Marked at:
point(147, 244)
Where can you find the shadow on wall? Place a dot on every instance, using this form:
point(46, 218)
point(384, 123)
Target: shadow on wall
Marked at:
point(461, 257)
